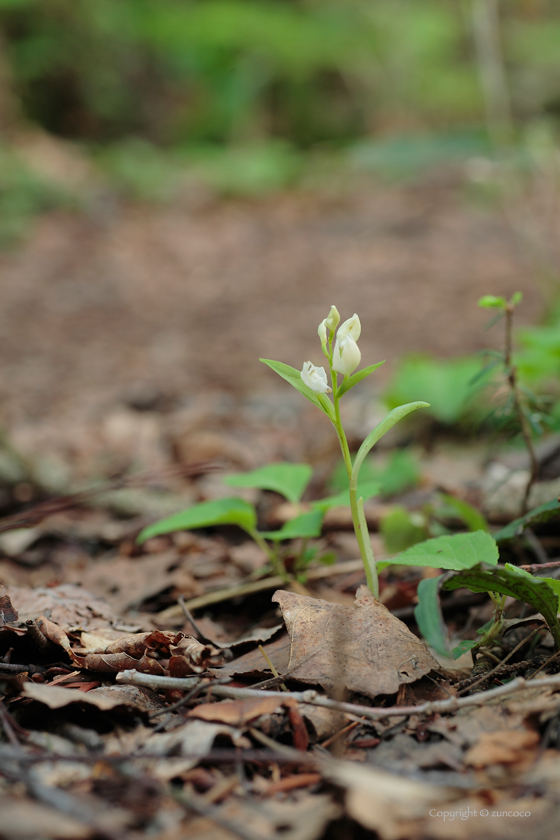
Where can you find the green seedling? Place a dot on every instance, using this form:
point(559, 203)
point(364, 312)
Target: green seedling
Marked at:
point(290, 481)
point(522, 407)
point(343, 357)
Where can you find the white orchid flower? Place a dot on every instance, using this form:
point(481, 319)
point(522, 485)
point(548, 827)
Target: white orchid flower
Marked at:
point(351, 327)
point(346, 356)
point(332, 320)
point(315, 378)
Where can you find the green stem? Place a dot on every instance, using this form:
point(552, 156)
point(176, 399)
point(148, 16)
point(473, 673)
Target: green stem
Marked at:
point(271, 553)
point(356, 505)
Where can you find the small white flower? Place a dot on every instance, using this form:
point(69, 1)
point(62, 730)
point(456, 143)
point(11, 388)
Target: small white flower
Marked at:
point(323, 333)
point(332, 320)
point(351, 327)
point(346, 356)
point(315, 378)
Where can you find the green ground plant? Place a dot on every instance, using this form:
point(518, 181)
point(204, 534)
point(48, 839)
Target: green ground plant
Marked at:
point(470, 558)
point(288, 480)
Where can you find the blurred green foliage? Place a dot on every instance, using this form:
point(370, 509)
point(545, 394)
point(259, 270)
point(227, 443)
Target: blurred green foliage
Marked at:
point(178, 72)
point(447, 384)
point(23, 195)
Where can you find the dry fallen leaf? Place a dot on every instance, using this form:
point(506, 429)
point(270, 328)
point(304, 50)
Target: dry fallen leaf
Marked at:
point(237, 712)
point(7, 611)
point(503, 747)
point(362, 648)
point(105, 698)
point(383, 801)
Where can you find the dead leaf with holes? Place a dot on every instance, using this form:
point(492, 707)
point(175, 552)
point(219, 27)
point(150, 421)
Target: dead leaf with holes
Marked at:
point(361, 648)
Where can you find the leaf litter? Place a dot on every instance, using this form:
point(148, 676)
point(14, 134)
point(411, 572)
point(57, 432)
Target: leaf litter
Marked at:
point(83, 753)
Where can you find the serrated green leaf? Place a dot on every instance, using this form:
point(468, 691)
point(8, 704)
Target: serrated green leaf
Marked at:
point(428, 615)
point(456, 551)
point(517, 583)
point(293, 376)
point(538, 514)
point(462, 647)
point(382, 428)
point(307, 526)
point(366, 490)
point(290, 480)
point(216, 512)
point(357, 377)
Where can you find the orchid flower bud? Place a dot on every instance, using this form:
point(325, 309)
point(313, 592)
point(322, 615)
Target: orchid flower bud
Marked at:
point(346, 356)
point(323, 333)
point(351, 327)
point(332, 320)
point(315, 378)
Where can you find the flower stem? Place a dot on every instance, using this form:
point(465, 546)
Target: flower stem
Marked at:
point(356, 505)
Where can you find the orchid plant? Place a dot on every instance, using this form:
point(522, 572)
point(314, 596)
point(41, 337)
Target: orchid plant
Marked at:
point(325, 390)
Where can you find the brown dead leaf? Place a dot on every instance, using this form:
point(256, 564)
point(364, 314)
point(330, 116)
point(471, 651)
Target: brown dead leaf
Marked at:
point(253, 662)
point(383, 801)
point(503, 747)
point(24, 819)
point(54, 633)
point(362, 648)
point(7, 611)
point(237, 712)
point(105, 698)
point(67, 605)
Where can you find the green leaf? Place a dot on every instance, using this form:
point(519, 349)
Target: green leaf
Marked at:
point(457, 552)
point(462, 647)
point(216, 512)
point(542, 513)
point(553, 583)
point(516, 583)
point(308, 525)
point(387, 423)
point(516, 298)
point(472, 517)
point(367, 489)
point(492, 302)
point(293, 376)
point(290, 480)
point(357, 377)
point(428, 615)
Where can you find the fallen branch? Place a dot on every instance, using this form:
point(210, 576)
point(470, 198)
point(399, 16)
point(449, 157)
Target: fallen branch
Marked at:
point(312, 698)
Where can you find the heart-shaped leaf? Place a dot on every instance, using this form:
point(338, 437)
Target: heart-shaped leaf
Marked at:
point(454, 551)
point(308, 525)
point(290, 480)
point(216, 512)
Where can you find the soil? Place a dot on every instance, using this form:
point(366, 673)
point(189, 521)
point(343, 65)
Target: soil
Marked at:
point(145, 304)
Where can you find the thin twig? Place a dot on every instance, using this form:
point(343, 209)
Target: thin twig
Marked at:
point(536, 567)
point(312, 698)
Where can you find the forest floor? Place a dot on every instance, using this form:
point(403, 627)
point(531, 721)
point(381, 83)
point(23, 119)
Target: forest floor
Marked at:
point(129, 341)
